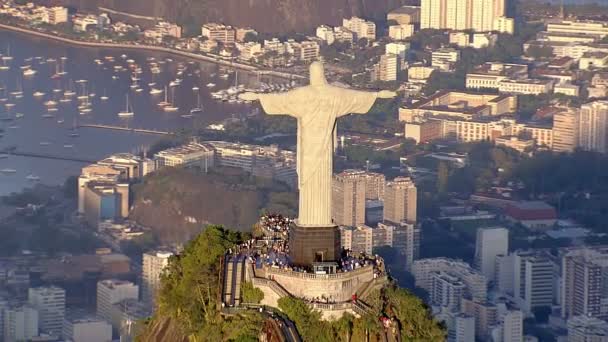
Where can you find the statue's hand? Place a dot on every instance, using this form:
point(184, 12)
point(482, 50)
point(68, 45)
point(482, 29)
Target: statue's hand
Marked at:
point(249, 96)
point(386, 94)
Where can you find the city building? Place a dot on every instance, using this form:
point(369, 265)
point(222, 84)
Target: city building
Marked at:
point(399, 49)
point(598, 29)
point(192, 154)
point(476, 15)
point(112, 291)
point(104, 201)
point(534, 215)
point(490, 75)
point(424, 130)
point(50, 304)
point(446, 291)
point(460, 105)
point(566, 130)
point(486, 316)
point(387, 69)
point(401, 32)
point(348, 198)
point(400, 200)
point(343, 34)
point(445, 59)
point(361, 28)
point(476, 284)
point(505, 274)
point(534, 274)
point(154, 264)
point(504, 25)
point(567, 89)
point(593, 60)
point(97, 173)
point(460, 39)
point(218, 32)
point(57, 15)
point(510, 327)
point(519, 144)
point(87, 329)
point(326, 34)
point(593, 126)
point(490, 243)
point(526, 86)
point(131, 166)
point(163, 29)
point(583, 280)
point(587, 329)
point(483, 40)
point(375, 184)
point(405, 15)
point(20, 323)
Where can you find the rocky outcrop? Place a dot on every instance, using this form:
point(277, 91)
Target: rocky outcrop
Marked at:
point(263, 15)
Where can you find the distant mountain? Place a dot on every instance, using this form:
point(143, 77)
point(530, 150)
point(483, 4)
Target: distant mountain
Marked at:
point(263, 15)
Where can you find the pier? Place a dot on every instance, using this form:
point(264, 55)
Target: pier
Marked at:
point(49, 156)
point(126, 129)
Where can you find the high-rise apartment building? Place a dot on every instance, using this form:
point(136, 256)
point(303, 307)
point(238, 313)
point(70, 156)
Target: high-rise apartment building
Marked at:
point(361, 28)
point(112, 291)
point(510, 327)
point(583, 282)
point(154, 264)
point(20, 323)
point(587, 329)
point(476, 284)
point(87, 329)
point(566, 131)
point(593, 128)
point(490, 243)
point(533, 280)
point(50, 304)
point(462, 328)
point(374, 186)
point(57, 15)
point(387, 69)
point(400, 200)
point(218, 32)
point(348, 198)
point(446, 291)
point(476, 15)
point(486, 316)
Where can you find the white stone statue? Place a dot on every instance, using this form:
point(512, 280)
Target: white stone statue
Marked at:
point(316, 107)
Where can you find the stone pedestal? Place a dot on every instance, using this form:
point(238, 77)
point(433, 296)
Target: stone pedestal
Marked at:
point(314, 244)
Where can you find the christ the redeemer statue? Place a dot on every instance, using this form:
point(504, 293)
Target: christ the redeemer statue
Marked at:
point(316, 107)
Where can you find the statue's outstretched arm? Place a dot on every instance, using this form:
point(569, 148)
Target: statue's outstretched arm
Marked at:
point(273, 104)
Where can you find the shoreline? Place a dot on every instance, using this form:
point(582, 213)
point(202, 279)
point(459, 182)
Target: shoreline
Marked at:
point(153, 48)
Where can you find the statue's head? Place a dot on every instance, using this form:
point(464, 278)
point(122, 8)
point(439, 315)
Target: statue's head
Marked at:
point(317, 74)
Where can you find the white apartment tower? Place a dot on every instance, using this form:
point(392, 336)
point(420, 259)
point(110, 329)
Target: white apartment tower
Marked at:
point(533, 281)
point(154, 264)
point(112, 291)
point(400, 200)
point(348, 198)
point(566, 131)
point(490, 243)
point(593, 129)
point(50, 304)
point(20, 323)
point(476, 15)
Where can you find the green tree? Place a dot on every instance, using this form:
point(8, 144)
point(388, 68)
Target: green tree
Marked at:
point(539, 51)
point(251, 294)
point(414, 317)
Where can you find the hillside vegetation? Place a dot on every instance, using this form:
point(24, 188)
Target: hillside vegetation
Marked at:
point(175, 203)
point(188, 306)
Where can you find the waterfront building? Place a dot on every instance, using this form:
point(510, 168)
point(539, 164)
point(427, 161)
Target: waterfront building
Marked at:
point(343, 34)
point(112, 291)
point(154, 264)
point(218, 32)
point(192, 154)
point(103, 201)
point(490, 243)
point(95, 173)
point(57, 15)
point(50, 304)
point(348, 198)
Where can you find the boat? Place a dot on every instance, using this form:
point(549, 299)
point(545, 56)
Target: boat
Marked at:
point(60, 121)
point(48, 116)
point(8, 170)
point(44, 143)
point(138, 90)
point(195, 88)
point(68, 146)
point(50, 103)
point(104, 97)
point(165, 102)
point(65, 100)
point(187, 116)
point(29, 72)
point(38, 94)
point(128, 112)
point(198, 108)
point(32, 178)
point(210, 85)
point(171, 108)
point(52, 109)
point(155, 91)
point(19, 115)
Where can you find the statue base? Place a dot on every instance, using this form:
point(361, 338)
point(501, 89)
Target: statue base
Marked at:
point(308, 245)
